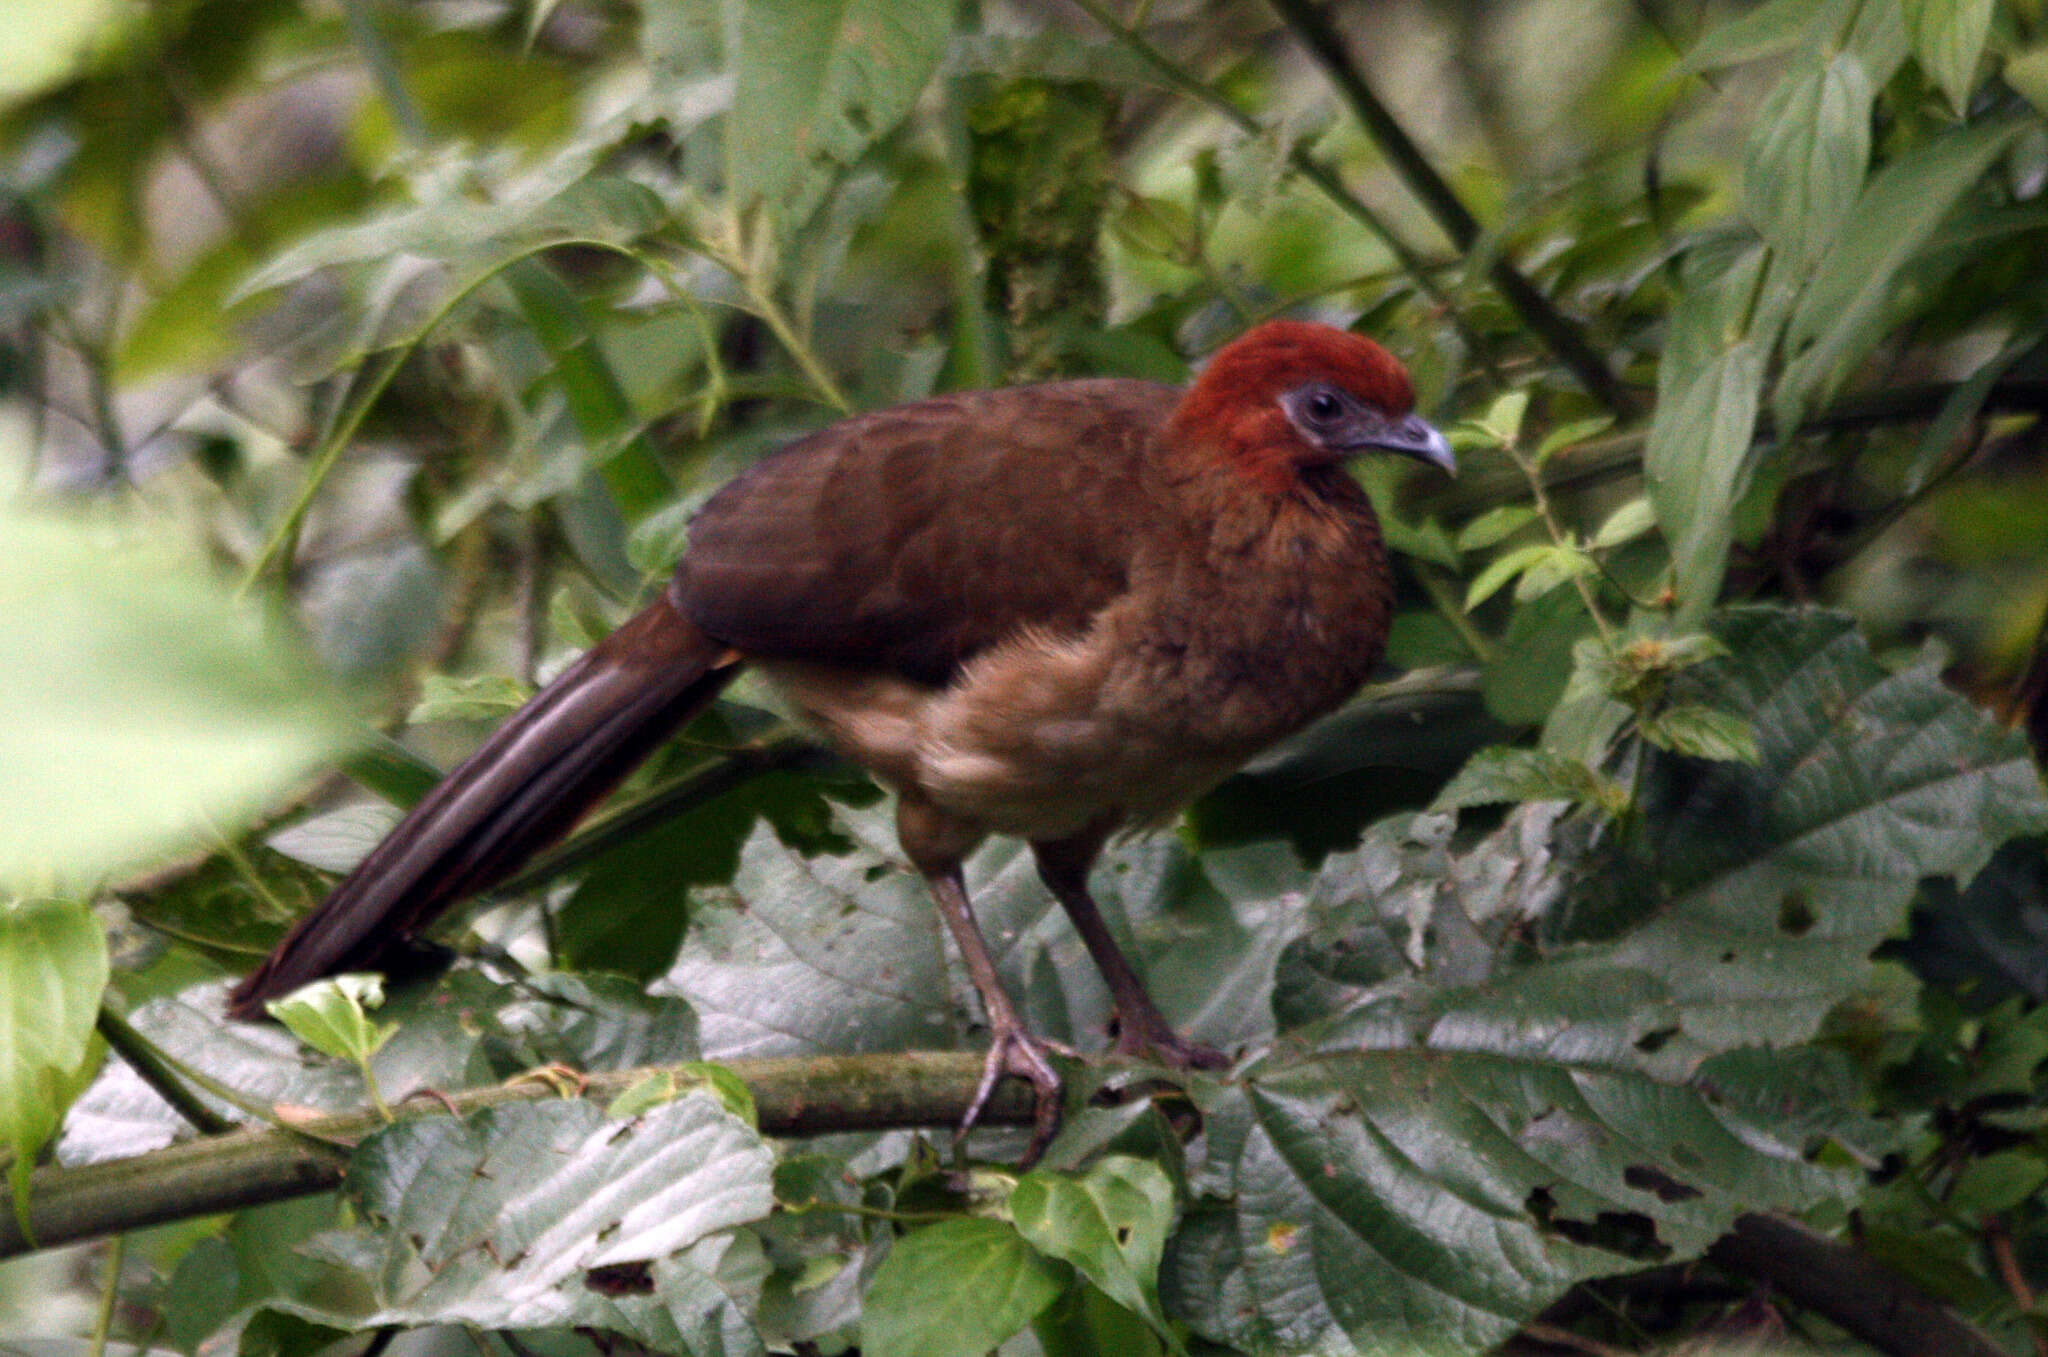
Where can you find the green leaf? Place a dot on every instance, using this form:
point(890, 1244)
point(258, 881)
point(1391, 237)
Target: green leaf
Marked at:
point(1440, 1197)
point(1843, 313)
point(1503, 568)
point(475, 697)
point(50, 50)
point(1785, 873)
point(817, 83)
point(1494, 526)
point(1766, 30)
point(1948, 42)
point(1701, 733)
point(515, 1217)
point(956, 1289)
point(1625, 525)
point(480, 238)
point(1571, 435)
point(1559, 564)
point(329, 1015)
point(1696, 462)
point(53, 966)
point(1110, 1223)
point(2027, 72)
point(1807, 156)
point(1497, 775)
point(1502, 421)
point(147, 711)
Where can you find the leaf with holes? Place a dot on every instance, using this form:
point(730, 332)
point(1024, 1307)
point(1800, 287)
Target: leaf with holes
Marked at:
point(551, 1216)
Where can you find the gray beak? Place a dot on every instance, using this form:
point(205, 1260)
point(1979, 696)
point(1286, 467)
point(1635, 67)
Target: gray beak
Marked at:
point(1415, 437)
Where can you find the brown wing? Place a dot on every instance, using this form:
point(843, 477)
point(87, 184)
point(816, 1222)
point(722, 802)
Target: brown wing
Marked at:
point(892, 540)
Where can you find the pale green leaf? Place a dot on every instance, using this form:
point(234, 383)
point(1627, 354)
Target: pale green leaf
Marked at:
point(1110, 1223)
point(1570, 435)
point(818, 82)
point(1948, 42)
point(1625, 524)
point(956, 1289)
point(2027, 72)
point(1696, 462)
point(330, 1016)
point(53, 966)
point(473, 697)
point(1498, 774)
point(1843, 313)
point(147, 710)
point(1765, 30)
point(1807, 155)
point(1559, 564)
point(1495, 526)
point(1701, 733)
point(1501, 570)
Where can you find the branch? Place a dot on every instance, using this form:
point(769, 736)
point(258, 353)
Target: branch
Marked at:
point(797, 1096)
point(1851, 1289)
point(1558, 333)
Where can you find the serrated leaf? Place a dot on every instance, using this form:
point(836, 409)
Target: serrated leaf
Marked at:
point(1495, 775)
point(507, 1219)
point(956, 1289)
point(53, 967)
point(1110, 1223)
point(1701, 733)
point(842, 951)
point(1948, 42)
point(329, 1015)
point(1442, 1197)
point(817, 84)
point(1786, 872)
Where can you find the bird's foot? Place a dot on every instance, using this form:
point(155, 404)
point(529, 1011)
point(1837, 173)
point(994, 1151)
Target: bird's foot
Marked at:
point(1017, 1051)
point(1161, 1044)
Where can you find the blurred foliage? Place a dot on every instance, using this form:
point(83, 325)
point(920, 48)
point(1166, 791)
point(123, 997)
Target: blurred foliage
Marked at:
point(1690, 865)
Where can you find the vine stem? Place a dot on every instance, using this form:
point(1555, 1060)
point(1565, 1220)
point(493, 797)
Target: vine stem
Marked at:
point(110, 1294)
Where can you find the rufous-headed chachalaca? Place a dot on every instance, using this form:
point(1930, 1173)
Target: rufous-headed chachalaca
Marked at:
point(1052, 611)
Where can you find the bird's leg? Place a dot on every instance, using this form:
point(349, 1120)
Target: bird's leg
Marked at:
point(1142, 1030)
point(936, 844)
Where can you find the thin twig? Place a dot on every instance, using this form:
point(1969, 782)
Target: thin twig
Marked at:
point(110, 1294)
point(1559, 334)
point(149, 1064)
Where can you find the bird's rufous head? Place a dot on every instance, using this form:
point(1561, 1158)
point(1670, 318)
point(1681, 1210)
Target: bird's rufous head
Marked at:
point(1289, 395)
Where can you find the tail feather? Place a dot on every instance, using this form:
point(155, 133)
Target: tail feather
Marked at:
point(522, 789)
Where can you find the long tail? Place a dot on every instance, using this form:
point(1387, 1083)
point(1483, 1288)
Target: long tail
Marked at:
point(554, 759)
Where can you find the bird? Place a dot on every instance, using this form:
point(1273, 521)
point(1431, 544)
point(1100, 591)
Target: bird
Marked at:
point(1056, 612)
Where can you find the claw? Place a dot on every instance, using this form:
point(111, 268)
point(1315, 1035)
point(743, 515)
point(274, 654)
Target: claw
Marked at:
point(1016, 1051)
point(1167, 1047)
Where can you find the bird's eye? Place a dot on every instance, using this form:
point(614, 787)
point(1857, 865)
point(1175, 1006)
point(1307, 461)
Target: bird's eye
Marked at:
point(1322, 406)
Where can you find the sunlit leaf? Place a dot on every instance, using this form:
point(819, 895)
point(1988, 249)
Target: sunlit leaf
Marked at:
point(330, 1016)
point(53, 965)
point(512, 1217)
point(956, 1289)
point(1109, 1222)
point(147, 711)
